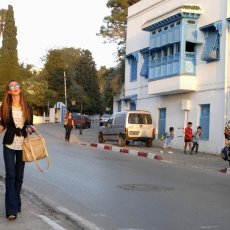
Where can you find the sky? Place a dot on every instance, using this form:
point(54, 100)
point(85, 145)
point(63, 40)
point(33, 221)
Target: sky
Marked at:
point(48, 24)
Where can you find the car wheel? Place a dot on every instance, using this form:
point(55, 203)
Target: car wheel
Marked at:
point(100, 138)
point(149, 143)
point(121, 141)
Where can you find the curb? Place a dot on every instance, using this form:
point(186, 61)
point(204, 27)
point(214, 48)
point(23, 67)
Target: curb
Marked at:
point(225, 170)
point(148, 155)
point(152, 156)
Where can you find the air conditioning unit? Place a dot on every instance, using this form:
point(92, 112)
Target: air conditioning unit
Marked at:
point(213, 54)
point(185, 104)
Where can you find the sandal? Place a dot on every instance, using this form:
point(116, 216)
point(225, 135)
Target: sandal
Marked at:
point(11, 217)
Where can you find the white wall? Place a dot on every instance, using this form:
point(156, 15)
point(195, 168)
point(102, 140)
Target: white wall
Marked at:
point(213, 79)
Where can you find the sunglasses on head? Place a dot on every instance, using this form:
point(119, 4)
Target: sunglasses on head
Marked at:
point(16, 86)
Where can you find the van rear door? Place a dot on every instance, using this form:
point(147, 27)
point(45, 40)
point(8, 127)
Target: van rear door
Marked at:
point(140, 125)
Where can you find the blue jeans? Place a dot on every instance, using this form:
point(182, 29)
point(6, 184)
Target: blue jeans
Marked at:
point(14, 167)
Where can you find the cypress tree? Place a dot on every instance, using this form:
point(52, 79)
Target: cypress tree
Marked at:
point(9, 67)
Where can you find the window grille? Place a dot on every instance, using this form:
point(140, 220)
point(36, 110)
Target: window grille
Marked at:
point(211, 50)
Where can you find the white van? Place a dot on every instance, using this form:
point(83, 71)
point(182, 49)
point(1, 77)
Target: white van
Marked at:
point(128, 126)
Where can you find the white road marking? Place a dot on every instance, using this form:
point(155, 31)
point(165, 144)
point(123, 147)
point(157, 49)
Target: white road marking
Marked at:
point(79, 219)
point(170, 162)
point(51, 223)
point(129, 229)
point(210, 227)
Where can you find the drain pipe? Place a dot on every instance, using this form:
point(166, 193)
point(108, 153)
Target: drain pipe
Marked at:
point(226, 75)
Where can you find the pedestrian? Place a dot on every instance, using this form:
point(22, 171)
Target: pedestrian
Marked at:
point(167, 141)
point(188, 137)
point(66, 118)
point(196, 139)
point(69, 126)
point(15, 115)
point(227, 134)
point(225, 152)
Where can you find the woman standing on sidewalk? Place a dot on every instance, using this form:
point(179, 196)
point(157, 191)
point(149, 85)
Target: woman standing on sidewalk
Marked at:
point(15, 116)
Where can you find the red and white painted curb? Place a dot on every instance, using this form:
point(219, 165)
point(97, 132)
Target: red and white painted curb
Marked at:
point(133, 152)
point(225, 170)
point(152, 156)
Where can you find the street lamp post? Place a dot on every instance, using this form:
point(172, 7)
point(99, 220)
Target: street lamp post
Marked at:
point(80, 132)
point(74, 103)
point(65, 90)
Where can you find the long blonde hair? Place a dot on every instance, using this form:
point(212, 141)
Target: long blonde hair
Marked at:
point(7, 105)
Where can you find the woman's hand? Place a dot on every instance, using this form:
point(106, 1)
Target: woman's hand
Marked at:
point(30, 129)
point(1, 128)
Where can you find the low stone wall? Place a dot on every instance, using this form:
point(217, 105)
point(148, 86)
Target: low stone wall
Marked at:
point(40, 119)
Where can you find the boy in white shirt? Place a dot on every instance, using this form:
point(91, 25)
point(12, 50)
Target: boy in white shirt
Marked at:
point(167, 142)
point(195, 139)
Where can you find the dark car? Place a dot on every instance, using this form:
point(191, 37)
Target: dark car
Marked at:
point(104, 118)
point(81, 121)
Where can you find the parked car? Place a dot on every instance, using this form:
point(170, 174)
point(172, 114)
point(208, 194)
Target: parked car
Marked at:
point(83, 121)
point(104, 118)
point(128, 126)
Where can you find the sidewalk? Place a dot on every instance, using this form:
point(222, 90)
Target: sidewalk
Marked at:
point(205, 161)
point(29, 219)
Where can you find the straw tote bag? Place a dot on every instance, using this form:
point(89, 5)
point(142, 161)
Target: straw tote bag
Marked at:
point(34, 149)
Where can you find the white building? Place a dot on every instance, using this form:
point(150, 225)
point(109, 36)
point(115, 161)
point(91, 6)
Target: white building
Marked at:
point(178, 67)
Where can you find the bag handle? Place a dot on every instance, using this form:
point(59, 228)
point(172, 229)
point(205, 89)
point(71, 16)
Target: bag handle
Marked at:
point(35, 160)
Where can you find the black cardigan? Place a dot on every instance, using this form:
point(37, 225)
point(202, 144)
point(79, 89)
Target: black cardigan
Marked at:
point(11, 129)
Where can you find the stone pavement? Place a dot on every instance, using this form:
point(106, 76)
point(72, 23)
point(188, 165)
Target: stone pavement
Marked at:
point(31, 217)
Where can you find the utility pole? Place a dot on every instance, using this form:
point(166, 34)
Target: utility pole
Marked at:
point(80, 131)
point(65, 90)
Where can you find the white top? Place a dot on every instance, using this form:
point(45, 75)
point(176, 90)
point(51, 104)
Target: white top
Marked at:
point(19, 123)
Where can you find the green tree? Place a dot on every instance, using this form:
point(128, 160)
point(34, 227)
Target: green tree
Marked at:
point(109, 86)
point(36, 92)
point(2, 20)
point(115, 25)
point(79, 67)
point(9, 67)
point(114, 30)
point(85, 74)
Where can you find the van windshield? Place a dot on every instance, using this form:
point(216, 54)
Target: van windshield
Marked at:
point(137, 118)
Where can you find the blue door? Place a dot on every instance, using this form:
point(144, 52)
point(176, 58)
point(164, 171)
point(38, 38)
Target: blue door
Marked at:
point(161, 122)
point(204, 120)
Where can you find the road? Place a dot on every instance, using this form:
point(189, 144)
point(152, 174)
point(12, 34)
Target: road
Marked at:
point(107, 190)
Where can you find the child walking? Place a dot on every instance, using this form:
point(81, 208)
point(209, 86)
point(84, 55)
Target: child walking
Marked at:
point(195, 139)
point(188, 137)
point(167, 142)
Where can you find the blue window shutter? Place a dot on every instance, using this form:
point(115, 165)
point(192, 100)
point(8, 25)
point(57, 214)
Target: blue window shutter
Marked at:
point(204, 121)
point(133, 59)
point(161, 122)
point(133, 70)
point(145, 67)
point(211, 48)
point(119, 106)
point(135, 55)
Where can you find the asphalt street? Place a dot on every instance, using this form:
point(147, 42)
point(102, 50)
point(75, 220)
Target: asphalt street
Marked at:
point(38, 215)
